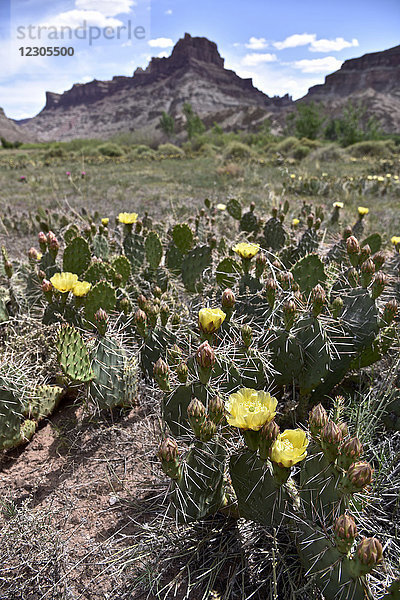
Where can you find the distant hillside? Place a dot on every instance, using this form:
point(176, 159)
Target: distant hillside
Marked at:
point(13, 132)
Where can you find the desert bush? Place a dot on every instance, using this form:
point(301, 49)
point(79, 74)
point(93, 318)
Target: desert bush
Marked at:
point(328, 153)
point(287, 145)
point(300, 152)
point(142, 151)
point(110, 149)
point(237, 151)
point(373, 148)
point(170, 150)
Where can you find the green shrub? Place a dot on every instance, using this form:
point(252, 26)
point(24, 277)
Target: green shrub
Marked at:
point(237, 150)
point(328, 153)
point(55, 152)
point(142, 151)
point(110, 149)
point(170, 150)
point(300, 152)
point(287, 145)
point(373, 148)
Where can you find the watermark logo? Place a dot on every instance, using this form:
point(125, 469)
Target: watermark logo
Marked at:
point(83, 32)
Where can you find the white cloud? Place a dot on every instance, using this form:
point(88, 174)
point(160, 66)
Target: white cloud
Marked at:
point(76, 18)
point(108, 8)
point(254, 59)
point(335, 45)
point(168, 12)
point(318, 65)
point(256, 43)
point(163, 54)
point(161, 43)
point(298, 39)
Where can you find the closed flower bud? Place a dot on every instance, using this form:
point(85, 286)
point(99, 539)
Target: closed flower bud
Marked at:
point(164, 313)
point(152, 311)
point(365, 252)
point(174, 355)
point(100, 319)
point(378, 284)
point(161, 374)
point(345, 531)
point(157, 291)
point(317, 419)
point(205, 356)
point(353, 250)
point(8, 268)
point(168, 454)
point(289, 314)
point(261, 261)
point(347, 232)
point(207, 430)
point(359, 475)
point(352, 277)
point(271, 287)
point(46, 286)
point(310, 221)
point(42, 241)
point(268, 434)
point(274, 212)
point(228, 299)
point(318, 299)
point(287, 280)
point(175, 319)
point(125, 305)
point(337, 307)
point(141, 301)
point(379, 260)
point(389, 312)
point(331, 436)
point(369, 553)
point(343, 426)
point(197, 415)
point(367, 271)
point(247, 335)
point(216, 409)
point(182, 372)
point(350, 451)
point(33, 255)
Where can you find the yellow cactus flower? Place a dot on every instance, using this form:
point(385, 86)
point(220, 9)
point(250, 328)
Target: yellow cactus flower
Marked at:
point(292, 176)
point(295, 222)
point(290, 447)
point(362, 211)
point(246, 250)
point(211, 319)
point(250, 409)
point(338, 205)
point(64, 282)
point(388, 175)
point(395, 240)
point(105, 221)
point(127, 218)
point(81, 288)
point(221, 206)
point(369, 177)
point(380, 178)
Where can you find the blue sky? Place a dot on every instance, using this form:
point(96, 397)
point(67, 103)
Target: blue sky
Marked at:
point(285, 46)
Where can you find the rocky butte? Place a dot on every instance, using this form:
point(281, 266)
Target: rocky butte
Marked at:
point(193, 73)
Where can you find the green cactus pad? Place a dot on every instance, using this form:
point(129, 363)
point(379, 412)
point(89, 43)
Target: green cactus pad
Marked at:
point(308, 272)
point(174, 409)
point(228, 272)
point(374, 241)
point(122, 266)
point(286, 357)
point(234, 208)
point(193, 265)
point(71, 233)
point(102, 295)
point(101, 247)
point(183, 237)
point(100, 271)
point(154, 249)
point(134, 249)
point(274, 234)
point(316, 355)
point(44, 401)
point(76, 258)
point(199, 491)
point(249, 222)
point(259, 497)
point(72, 354)
point(173, 259)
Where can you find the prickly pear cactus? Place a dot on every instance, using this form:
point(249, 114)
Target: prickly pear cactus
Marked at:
point(73, 355)
point(154, 249)
point(76, 257)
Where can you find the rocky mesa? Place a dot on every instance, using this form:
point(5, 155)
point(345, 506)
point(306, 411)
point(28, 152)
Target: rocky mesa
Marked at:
point(193, 73)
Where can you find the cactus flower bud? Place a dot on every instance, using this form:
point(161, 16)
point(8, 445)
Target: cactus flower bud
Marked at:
point(100, 320)
point(261, 261)
point(353, 250)
point(205, 356)
point(247, 335)
point(175, 319)
point(270, 291)
point(125, 305)
point(152, 311)
point(289, 314)
point(197, 415)
point(161, 374)
point(157, 291)
point(358, 476)
point(168, 454)
point(142, 301)
point(33, 255)
point(46, 286)
point(337, 307)
point(216, 409)
point(274, 212)
point(352, 277)
point(317, 224)
point(389, 312)
point(347, 232)
point(317, 419)
point(310, 220)
point(207, 430)
point(287, 280)
point(345, 531)
point(369, 554)
point(182, 372)
point(365, 252)
point(228, 299)
point(318, 299)
point(140, 320)
point(8, 268)
point(379, 261)
point(367, 271)
point(268, 434)
point(174, 355)
point(331, 436)
point(378, 284)
point(164, 313)
point(42, 241)
point(350, 451)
